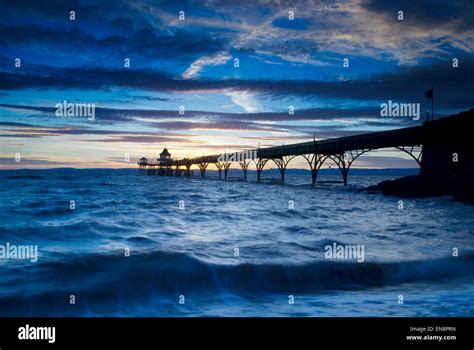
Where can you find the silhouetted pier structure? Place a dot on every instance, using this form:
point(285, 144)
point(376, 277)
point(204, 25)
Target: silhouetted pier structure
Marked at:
point(431, 145)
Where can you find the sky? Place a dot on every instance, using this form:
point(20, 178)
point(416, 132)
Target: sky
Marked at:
point(235, 67)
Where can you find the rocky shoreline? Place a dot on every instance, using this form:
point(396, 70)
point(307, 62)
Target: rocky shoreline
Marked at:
point(418, 186)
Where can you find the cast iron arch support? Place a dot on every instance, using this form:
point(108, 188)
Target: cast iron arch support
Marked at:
point(410, 150)
point(226, 169)
point(345, 160)
point(244, 164)
point(219, 168)
point(260, 165)
point(202, 168)
point(315, 162)
point(188, 170)
point(282, 163)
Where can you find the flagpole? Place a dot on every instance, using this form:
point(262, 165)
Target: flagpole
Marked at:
point(432, 105)
point(430, 94)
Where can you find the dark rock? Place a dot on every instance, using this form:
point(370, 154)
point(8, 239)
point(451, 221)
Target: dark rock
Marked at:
point(409, 186)
point(423, 187)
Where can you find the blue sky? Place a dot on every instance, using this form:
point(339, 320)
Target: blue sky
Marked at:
point(191, 62)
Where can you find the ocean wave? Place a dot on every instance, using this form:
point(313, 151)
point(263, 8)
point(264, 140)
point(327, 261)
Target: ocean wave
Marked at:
point(66, 178)
point(53, 212)
point(297, 229)
point(160, 272)
point(191, 251)
point(288, 214)
point(24, 177)
point(140, 239)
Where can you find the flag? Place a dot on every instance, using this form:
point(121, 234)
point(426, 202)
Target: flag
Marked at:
point(429, 94)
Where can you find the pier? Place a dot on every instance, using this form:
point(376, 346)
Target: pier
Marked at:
point(442, 148)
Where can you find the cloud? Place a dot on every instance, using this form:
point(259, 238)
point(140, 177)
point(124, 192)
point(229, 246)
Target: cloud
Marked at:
point(218, 59)
point(245, 100)
point(141, 44)
point(168, 126)
point(30, 161)
point(177, 58)
point(460, 13)
point(144, 139)
point(356, 28)
point(408, 84)
point(151, 30)
point(363, 115)
point(23, 130)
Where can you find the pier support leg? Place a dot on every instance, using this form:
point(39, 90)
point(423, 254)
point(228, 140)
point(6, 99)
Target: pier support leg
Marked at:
point(245, 165)
point(226, 169)
point(188, 170)
point(345, 172)
point(282, 163)
point(223, 166)
point(202, 168)
point(219, 168)
point(345, 160)
point(315, 162)
point(260, 165)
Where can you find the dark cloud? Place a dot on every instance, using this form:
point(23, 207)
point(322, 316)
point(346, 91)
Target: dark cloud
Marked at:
point(428, 13)
point(145, 43)
point(50, 12)
point(144, 139)
point(19, 135)
point(30, 161)
point(152, 98)
point(102, 34)
point(225, 122)
point(218, 125)
point(50, 9)
point(365, 116)
point(28, 130)
point(23, 125)
point(39, 35)
point(453, 90)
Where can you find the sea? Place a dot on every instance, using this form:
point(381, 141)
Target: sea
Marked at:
point(113, 243)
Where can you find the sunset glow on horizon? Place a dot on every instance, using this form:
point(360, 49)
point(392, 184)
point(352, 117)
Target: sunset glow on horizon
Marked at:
point(208, 79)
